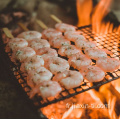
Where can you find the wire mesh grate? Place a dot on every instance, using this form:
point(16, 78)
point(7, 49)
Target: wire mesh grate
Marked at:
point(110, 41)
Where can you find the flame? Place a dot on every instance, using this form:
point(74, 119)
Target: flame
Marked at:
point(84, 10)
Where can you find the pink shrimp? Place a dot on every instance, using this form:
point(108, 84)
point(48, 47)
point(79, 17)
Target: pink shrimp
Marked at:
point(108, 64)
point(69, 78)
point(47, 89)
point(32, 63)
point(56, 64)
point(58, 41)
point(22, 54)
point(79, 60)
point(39, 43)
point(38, 75)
point(92, 73)
point(16, 43)
point(46, 52)
point(30, 35)
point(95, 53)
point(68, 50)
point(83, 44)
point(73, 35)
point(50, 32)
point(65, 27)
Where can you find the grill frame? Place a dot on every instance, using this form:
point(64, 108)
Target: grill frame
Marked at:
point(37, 100)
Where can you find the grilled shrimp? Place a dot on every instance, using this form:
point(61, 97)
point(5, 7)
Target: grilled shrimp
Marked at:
point(68, 50)
point(46, 52)
point(69, 78)
point(95, 53)
point(58, 41)
point(38, 75)
point(16, 43)
point(73, 35)
point(22, 54)
point(47, 89)
point(56, 64)
point(32, 63)
point(65, 27)
point(83, 44)
point(108, 64)
point(92, 73)
point(79, 60)
point(50, 32)
point(30, 35)
point(39, 43)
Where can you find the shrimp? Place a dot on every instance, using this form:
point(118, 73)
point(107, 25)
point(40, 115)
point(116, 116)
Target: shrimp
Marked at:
point(30, 35)
point(47, 89)
point(16, 43)
point(56, 64)
point(39, 43)
point(73, 35)
point(92, 73)
point(32, 63)
point(68, 50)
point(46, 52)
point(22, 54)
point(65, 27)
point(69, 78)
point(38, 75)
point(50, 32)
point(83, 44)
point(58, 41)
point(95, 53)
point(79, 60)
point(108, 64)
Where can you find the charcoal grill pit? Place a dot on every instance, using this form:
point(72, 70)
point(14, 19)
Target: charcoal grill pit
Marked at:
point(87, 32)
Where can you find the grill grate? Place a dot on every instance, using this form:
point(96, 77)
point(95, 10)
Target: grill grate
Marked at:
point(110, 41)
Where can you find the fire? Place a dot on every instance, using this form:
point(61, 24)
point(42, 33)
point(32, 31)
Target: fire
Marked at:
point(84, 11)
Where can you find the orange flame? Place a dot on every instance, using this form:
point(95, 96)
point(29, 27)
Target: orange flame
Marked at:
point(84, 10)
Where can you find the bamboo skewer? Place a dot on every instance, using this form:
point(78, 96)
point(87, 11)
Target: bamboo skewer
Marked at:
point(8, 33)
point(55, 18)
point(23, 26)
point(39, 22)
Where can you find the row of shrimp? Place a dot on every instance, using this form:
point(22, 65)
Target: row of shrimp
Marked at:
point(46, 72)
point(39, 63)
point(76, 58)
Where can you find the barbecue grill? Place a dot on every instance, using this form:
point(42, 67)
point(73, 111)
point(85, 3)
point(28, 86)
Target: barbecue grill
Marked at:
point(109, 41)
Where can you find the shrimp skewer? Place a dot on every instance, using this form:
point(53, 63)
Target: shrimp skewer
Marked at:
point(69, 78)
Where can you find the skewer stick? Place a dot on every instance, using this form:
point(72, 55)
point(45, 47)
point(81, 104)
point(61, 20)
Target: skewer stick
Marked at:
point(55, 18)
point(8, 33)
point(40, 23)
point(23, 26)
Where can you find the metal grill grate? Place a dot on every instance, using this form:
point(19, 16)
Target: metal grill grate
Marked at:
point(110, 41)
